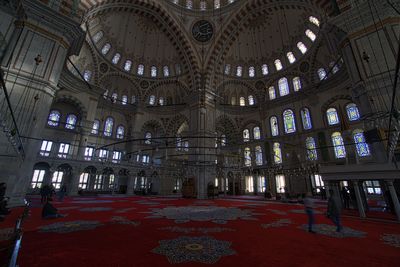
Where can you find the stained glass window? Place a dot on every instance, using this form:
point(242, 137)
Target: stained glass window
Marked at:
point(133, 99)
point(189, 4)
point(283, 87)
point(259, 156)
point(105, 94)
point(147, 138)
point(291, 57)
point(203, 5)
point(274, 126)
point(311, 149)
point(106, 48)
point(288, 121)
point(338, 145)
point(256, 133)
point(264, 69)
point(278, 64)
point(97, 37)
point(296, 84)
point(152, 100)
point(124, 100)
point(302, 47)
point(272, 93)
point(251, 100)
point(247, 157)
point(95, 127)
point(161, 101)
point(352, 112)
point(116, 58)
point(246, 135)
point(71, 121)
point(239, 71)
point(223, 140)
point(277, 153)
point(252, 72)
point(120, 132)
point(306, 118)
point(114, 97)
point(87, 75)
point(321, 74)
point(128, 65)
point(310, 34)
point(314, 21)
point(153, 71)
point(54, 118)
point(227, 69)
point(166, 71)
point(334, 67)
point(108, 126)
point(140, 70)
point(242, 101)
point(361, 145)
point(332, 116)
point(217, 4)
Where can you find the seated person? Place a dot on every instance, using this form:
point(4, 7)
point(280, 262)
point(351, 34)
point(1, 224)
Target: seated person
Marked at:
point(49, 211)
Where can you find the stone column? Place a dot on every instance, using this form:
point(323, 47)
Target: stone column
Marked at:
point(130, 184)
point(394, 197)
point(360, 203)
point(74, 186)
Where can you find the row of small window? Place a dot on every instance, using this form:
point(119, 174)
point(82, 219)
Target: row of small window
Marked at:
point(277, 63)
point(202, 4)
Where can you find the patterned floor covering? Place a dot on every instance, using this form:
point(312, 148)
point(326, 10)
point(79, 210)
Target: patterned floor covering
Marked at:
point(155, 231)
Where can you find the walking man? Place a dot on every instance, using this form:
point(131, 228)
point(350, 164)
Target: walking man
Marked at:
point(334, 209)
point(309, 208)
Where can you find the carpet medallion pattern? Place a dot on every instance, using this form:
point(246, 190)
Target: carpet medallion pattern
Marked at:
point(68, 227)
point(278, 223)
point(330, 230)
point(203, 230)
point(391, 240)
point(203, 249)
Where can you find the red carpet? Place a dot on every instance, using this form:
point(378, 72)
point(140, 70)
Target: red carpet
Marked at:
point(117, 233)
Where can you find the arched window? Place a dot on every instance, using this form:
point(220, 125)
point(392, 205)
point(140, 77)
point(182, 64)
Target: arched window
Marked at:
point(128, 65)
point(166, 71)
point(116, 58)
point(147, 138)
point(189, 4)
point(310, 34)
point(105, 94)
point(334, 67)
point(277, 153)
point(242, 101)
point(302, 47)
point(95, 127)
point(288, 121)
point(106, 48)
point(321, 74)
point(246, 135)
point(71, 121)
point(256, 133)
point(251, 100)
point(54, 118)
point(278, 65)
point(283, 87)
point(259, 156)
point(361, 145)
point(203, 5)
point(291, 57)
point(239, 71)
point(271, 93)
point(97, 37)
point(114, 97)
point(314, 21)
point(161, 101)
point(296, 84)
point(153, 71)
point(352, 112)
point(223, 140)
point(124, 100)
point(87, 75)
point(120, 132)
point(108, 126)
point(338, 145)
point(311, 149)
point(247, 157)
point(227, 69)
point(274, 126)
point(332, 116)
point(217, 4)
point(264, 69)
point(252, 72)
point(152, 100)
point(140, 70)
point(306, 118)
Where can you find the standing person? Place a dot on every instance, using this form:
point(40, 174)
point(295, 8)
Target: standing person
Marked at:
point(346, 198)
point(309, 208)
point(62, 192)
point(334, 209)
point(44, 192)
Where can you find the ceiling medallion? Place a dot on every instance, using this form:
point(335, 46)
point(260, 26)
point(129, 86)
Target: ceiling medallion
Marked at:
point(202, 31)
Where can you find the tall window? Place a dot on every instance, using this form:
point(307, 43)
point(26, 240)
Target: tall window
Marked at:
point(283, 87)
point(317, 182)
point(242, 101)
point(217, 4)
point(71, 121)
point(223, 140)
point(116, 58)
point(83, 181)
point(338, 145)
point(114, 97)
point(87, 75)
point(251, 100)
point(120, 132)
point(147, 138)
point(247, 157)
point(203, 5)
point(352, 112)
point(95, 127)
point(63, 150)
point(280, 183)
point(161, 101)
point(272, 93)
point(288, 121)
point(128, 65)
point(166, 71)
point(291, 57)
point(249, 182)
point(310, 34)
point(373, 187)
point(103, 154)
point(140, 70)
point(152, 100)
point(124, 100)
point(116, 157)
point(227, 69)
point(274, 126)
point(277, 153)
point(37, 178)
point(97, 37)
point(45, 148)
point(56, 180)
point(239, 71)
point(306, 118)
point(98, 182)
point(278, 64)
point(334, 67)
point(314, 21)
point(302, 47)
point(108, 126)
point(296, 84)
point(54, 118)
point(321, 74)
point(311, 149)
point(153, 71)
point(264, 69)
point(88, 153)
point(332, 116)
point(189, 4)
point(361, 146)
point(252, 72)
point(256, 133)
point(246, 135)
point(259, 157)
point(106, 48)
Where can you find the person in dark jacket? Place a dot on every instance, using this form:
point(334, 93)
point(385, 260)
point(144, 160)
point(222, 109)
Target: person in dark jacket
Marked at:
point(49, 211)
point(334, 209)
